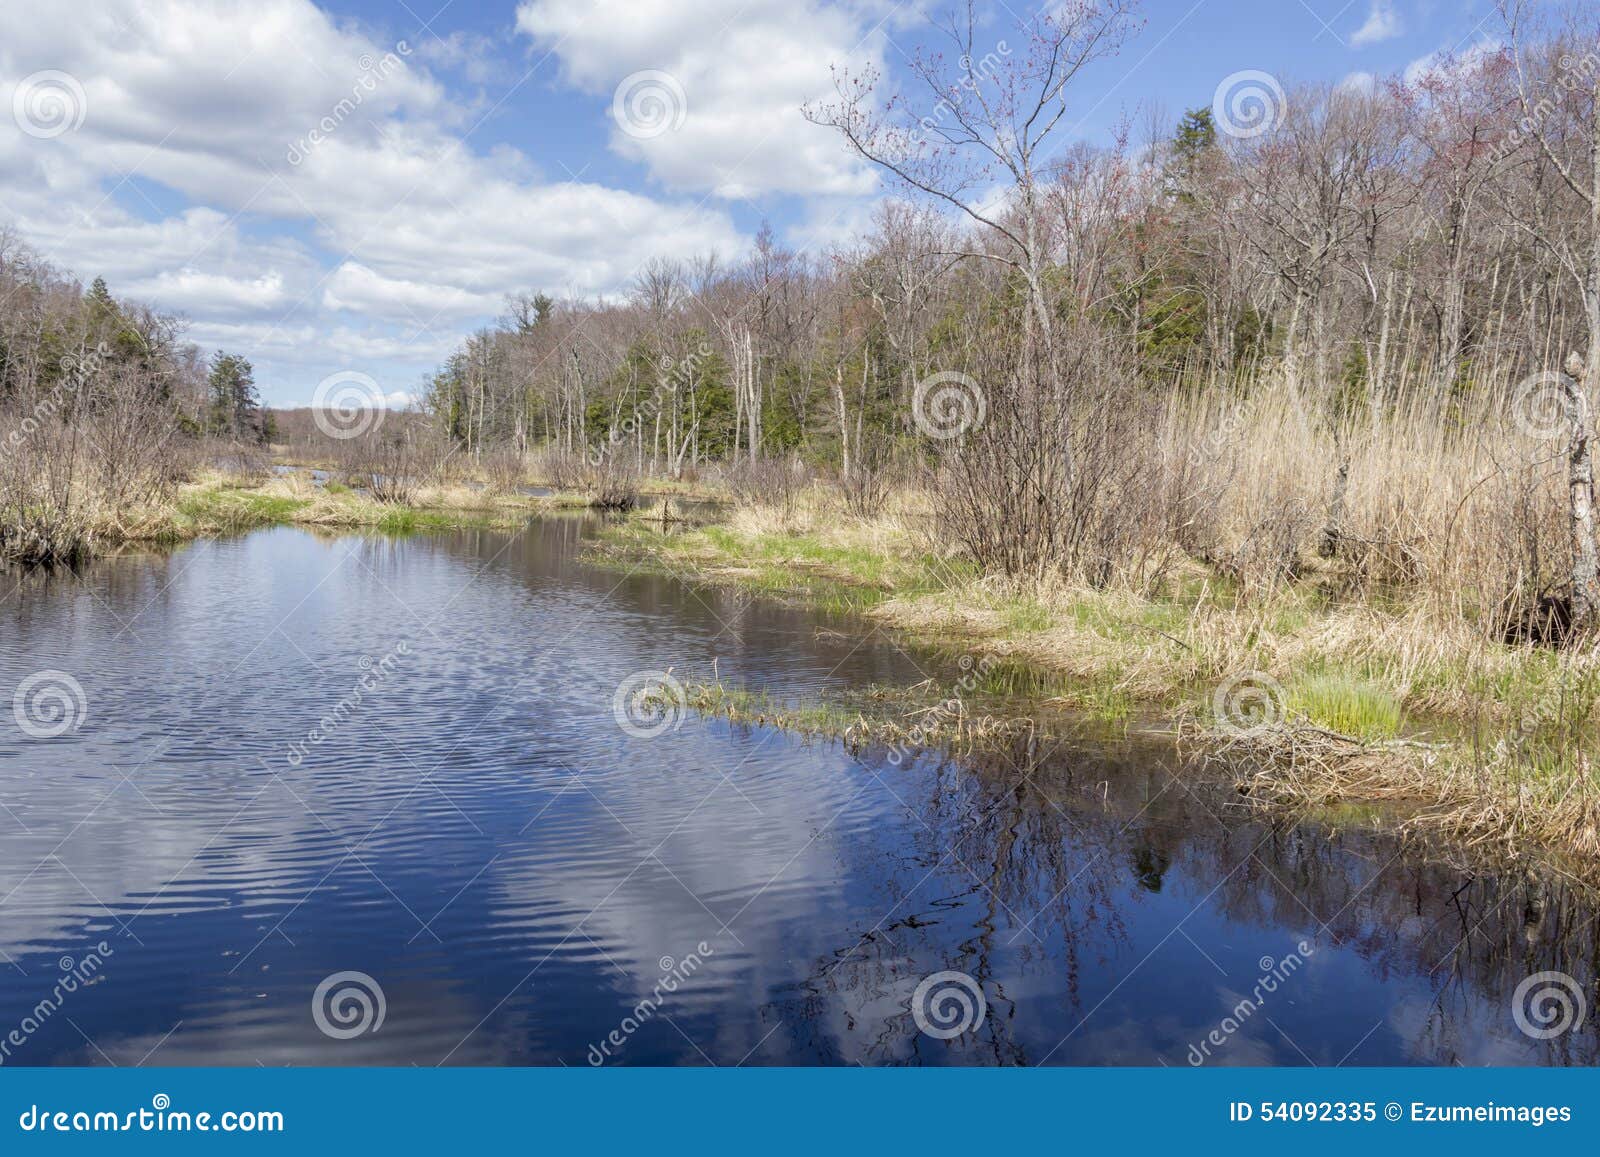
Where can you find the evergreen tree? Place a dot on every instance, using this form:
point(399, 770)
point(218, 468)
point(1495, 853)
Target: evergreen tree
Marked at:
point(235, 405)
point(1193, 141)
point(102, 306)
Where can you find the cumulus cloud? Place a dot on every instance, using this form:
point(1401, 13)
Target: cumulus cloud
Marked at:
point(1382, 23)
point(189, 289)
point(356, 288)
point(734, 75)
point(321, 177)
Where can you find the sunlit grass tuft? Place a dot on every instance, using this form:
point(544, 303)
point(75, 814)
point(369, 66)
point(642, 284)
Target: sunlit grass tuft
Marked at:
point(1346, 705)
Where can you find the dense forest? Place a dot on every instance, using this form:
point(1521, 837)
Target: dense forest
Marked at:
point(1380, 242)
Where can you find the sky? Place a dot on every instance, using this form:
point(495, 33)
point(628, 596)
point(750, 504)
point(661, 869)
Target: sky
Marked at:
point(353, 187)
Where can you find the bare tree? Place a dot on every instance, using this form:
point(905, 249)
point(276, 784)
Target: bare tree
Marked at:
point(990, 118)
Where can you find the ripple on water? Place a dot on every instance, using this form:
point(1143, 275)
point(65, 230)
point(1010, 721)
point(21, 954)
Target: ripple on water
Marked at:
point(302, 755)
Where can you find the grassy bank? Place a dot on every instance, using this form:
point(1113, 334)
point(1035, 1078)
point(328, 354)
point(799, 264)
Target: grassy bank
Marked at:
point(216, 504)
point(1314, 700)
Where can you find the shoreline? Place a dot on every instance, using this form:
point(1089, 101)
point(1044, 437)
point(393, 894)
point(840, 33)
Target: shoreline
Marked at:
point(1311, 705)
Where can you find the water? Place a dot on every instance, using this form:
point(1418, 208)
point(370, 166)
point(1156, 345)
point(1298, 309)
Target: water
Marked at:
point(529, 883)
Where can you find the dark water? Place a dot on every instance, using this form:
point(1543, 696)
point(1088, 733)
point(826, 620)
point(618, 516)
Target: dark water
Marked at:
point(525, 880)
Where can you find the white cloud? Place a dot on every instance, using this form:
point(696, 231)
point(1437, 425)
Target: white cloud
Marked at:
point(391, 216)
point(254, 334)
point(189, 289)
point(358, 289)
point(744, 68)
point(472, 56)
point(367, 346)
point(1383, 23)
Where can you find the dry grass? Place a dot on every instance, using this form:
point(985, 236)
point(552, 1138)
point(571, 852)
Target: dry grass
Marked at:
point(1450, 507)
point(1490, 812)
point(217, 503)
point(1366, 561)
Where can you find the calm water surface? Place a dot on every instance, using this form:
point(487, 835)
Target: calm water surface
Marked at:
point(517, 873)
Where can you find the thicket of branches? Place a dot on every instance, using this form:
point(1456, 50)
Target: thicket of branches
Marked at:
point(1387, 261)
point(100, 404)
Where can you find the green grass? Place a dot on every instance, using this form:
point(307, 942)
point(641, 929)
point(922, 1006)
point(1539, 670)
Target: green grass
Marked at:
point(1102, 699)
point(758, 707)
point(788, 568)
point(919, 718)
point(227, 507)
point(1348, 705)
point(1025, 616)
point(231, 507)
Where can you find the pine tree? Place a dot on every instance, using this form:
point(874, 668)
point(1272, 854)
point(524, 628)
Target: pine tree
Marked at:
point(101, 304)
point(235, 405)
point(1194, 139)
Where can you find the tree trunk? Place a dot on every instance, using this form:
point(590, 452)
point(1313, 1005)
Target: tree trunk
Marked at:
point(1580, 484)
point(844, 421)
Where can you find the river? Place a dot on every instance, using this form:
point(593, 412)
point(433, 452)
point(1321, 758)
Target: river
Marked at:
point(274, 786)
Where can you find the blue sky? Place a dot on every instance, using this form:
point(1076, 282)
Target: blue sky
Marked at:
point(486, 153)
